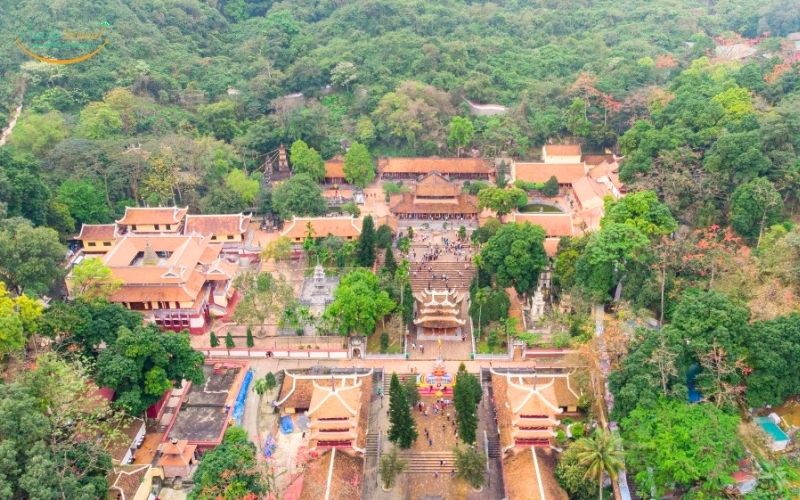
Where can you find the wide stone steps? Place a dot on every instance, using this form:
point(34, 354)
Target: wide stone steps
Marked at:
point(493, 447)
point(387, 381)
point(419, 462)
point(420, 277)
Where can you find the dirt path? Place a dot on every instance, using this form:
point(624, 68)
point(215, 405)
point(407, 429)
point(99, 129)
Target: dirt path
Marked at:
point(11, 124)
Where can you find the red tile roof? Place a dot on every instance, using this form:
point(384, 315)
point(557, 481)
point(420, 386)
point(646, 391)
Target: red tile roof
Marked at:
point(427, 165)
point(407, 203)
point(566, 173)
point(562, 149)
point(342, 227)
point(597, 159)
point(334, 169)
point(208, 225)
point(97, 232)
point(434, 185)
point(553, 224)
point(156, 215)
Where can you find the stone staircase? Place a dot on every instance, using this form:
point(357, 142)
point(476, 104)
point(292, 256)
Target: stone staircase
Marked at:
point(421, 462)
point(372, 444)
point(420, 276)
point(494, 446)
point(387, 381)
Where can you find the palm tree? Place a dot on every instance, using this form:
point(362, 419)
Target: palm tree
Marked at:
point(779, 477)
point(600, 453)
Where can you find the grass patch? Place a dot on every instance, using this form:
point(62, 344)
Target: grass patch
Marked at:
point(394, 331)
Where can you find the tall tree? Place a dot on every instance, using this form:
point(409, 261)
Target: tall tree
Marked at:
point(389, 263)
point(92, 280)
point(515, 255)
point(402, 429)
point(502, 200)
point(144, 363)
point(551, 186)
point(366, 243)
point(358, 167)
point(358, 303)
point(299, 196)
point(230, 470)
point(30, 257)
point(470, 465)
point(460, 133)
point(466, 396)
point(18, 320)
point(306, 160)
point(681, 445)
point(85, 201)
point(601, 453)
point(263, 297)
point(755, 206)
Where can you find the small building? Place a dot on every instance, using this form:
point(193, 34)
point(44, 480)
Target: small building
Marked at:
point(607, 174)
point(438, 314)
point(334, 171)
point(778, 439)
point(176, 281)
point(177, 458)
point(556, 226)
point(435, 198)
point(140, 220)
point(590, 194)
point(347, 228)
point(561, 153)
point(453, 168)
point(226, 229)
point(336, 405)
point(317, 291)
point(97, 239)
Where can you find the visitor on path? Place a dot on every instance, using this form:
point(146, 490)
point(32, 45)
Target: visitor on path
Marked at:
point(435, 475)
point(441, 463)
point(430, 442)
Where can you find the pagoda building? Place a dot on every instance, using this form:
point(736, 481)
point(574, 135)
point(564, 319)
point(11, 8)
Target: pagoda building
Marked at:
point(438, 315)
point(435, 198)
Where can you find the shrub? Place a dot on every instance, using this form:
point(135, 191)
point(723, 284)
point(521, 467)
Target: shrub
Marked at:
point(384, 342)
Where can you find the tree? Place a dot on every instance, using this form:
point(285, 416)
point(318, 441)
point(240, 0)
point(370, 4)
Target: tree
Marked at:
point(754, 206)
point(383, 236)
point(299, 196)
point(143, 363)
point(365, 255)
point(85, 327)
point(30, 258)
point(572, 476)
point(45, 415)
point(643, 211)
point(402, 278)
point(481, 297)
point(358, 303)
point(243, 186)
point(466, 396)
point(676, 444)
point(98, 120)
point(551, 187)
point(389, 264)
point(515, 255)
point(306, 160)
point(460, 133)
point(470, 465)
point(358, 167)
point(159, 185)
point(270, 382)
point(263, 297)
point(414, 113)
point(608, 255)
point(601, 453)
point(36, 134)
point(85, 202)
point(250, 341)
point(390, 467)
point(18, 320)
point(219, 119)
point(230, 470)
point(278, 249)
point(92, 280)
point(462, 233)
point(502, 200)
point(773, 348)
point(412, 393)
point(402, 429)
point(214, 340)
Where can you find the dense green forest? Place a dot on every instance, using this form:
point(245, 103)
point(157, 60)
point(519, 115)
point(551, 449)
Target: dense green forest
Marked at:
point(186, 93)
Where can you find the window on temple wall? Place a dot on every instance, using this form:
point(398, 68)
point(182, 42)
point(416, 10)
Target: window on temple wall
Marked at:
point(169, 227)
point(133, 227)
point(106, 243)
point(157, 227)
point(213, 237)
point(91, 243)
point(230, 236)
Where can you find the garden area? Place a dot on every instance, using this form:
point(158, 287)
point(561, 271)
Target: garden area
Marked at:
point(387, 338)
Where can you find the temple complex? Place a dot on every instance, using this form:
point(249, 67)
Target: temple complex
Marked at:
point(178, 282)
point(438, 315)
point(435, 198)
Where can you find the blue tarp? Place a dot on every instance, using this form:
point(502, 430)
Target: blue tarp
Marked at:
point(286, 425)
point(238, 407)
